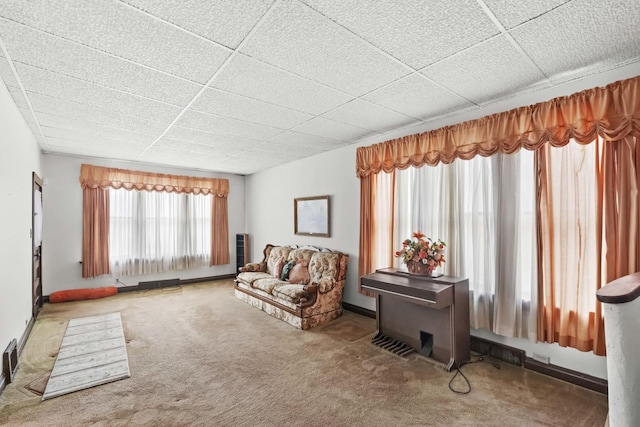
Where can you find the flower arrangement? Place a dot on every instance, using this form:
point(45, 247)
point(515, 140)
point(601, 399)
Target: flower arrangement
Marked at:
point(421, 249)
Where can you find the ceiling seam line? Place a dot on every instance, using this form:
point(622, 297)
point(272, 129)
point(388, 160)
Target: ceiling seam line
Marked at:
point(97, 84)
point(215, 75)
point(176, 26)
point(3, 47)
point(398, 61)
point(509, 37)
point(92, 106)
point(103, 52)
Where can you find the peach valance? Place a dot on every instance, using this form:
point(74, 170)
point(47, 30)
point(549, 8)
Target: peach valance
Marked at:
point(101, 177)
point(612, 112)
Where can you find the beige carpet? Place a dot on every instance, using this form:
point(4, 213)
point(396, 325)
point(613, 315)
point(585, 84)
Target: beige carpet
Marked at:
point(202, 357)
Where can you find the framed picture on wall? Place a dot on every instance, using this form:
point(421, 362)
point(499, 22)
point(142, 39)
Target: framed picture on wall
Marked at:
point(311, 216)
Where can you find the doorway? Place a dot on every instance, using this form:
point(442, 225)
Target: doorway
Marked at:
point(36, 238)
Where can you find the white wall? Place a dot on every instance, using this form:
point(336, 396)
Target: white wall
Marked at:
point(269, 209)
point(20, 158)
point(62, 228)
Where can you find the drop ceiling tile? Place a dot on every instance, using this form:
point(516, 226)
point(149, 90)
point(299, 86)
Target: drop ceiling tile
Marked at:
point(44, 82)
point(97, 152)
point(83, 131)
point(219, 150)
point(418, 32)
point(102, 144)
point(417, 97)
point(225, 125)
point(54, 54)
point(252, 78)
point(227, 104)
point(90, 114)
point(125, 32)
point(6, 74)
point(582, 38)
point(18, 97)
point(286, 150)
point(268, 158)
point(180, 133)
point(335, 130)
point(368, 116)
point(511, 14)
point(298, 39)
point(306, 140)
point(498, 71)
point(226, 22)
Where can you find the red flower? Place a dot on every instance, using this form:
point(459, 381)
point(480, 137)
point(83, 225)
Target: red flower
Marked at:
point(419, 235)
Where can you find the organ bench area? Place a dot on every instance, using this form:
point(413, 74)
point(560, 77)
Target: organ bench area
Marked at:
point(430, 315)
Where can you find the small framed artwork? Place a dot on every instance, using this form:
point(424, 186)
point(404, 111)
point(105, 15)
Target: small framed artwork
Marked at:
point(311, 216)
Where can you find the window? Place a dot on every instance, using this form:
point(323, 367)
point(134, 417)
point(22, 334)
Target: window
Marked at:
point(153, 232)
point(483, 209)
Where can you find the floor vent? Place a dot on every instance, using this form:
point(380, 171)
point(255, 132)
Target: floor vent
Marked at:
point(508, 354)
point(392, 345)
point(154, 284)
point(10, 361)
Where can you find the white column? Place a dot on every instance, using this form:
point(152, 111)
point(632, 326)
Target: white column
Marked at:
point(622, 331)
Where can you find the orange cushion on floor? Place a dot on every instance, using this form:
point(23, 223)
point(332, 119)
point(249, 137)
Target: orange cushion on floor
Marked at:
point(82, 294)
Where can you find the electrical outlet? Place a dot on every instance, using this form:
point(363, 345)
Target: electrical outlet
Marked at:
point(541, 358)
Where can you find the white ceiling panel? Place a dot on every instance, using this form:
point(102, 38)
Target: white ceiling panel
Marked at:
point(332, 129)
point(513, 13)
point(61, 56)
point(249, 77)
point(18, 97)
point(180, 133)
point(287, 150)
point(499, 69)
point(225, 125)
point(306, 140)
point(90, 114)
point(192, 147)
point(417, 97)
point(224, 21)
point(227, 104)
point(112, 28)
point(296, 38)
point(582, 37)
point(242, 86)
point(418, 32)
point(6, 74)
point(368, 116)
point(86, 131)
point(72, 89)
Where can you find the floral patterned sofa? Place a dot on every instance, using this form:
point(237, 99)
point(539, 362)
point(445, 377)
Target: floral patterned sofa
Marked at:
point(311, 295)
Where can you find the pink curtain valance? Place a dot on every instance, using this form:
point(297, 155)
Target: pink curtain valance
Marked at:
point(612, 112)
point(101, 177)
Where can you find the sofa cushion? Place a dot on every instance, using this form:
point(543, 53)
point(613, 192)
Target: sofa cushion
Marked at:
point(289, 292)
point(267, 284)
point(299, 274)
point(324, 265)
point(250, 277)
point(277, 267)
point(275, 253)
point(298, 255)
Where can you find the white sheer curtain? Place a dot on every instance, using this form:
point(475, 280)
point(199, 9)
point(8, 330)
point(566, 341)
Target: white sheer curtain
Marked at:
point(483, 209)
point(153, 232)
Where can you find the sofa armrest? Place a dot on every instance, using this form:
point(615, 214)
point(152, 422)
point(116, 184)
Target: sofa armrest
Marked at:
point(310, 289)
point(253, 267)
point(326, 284)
